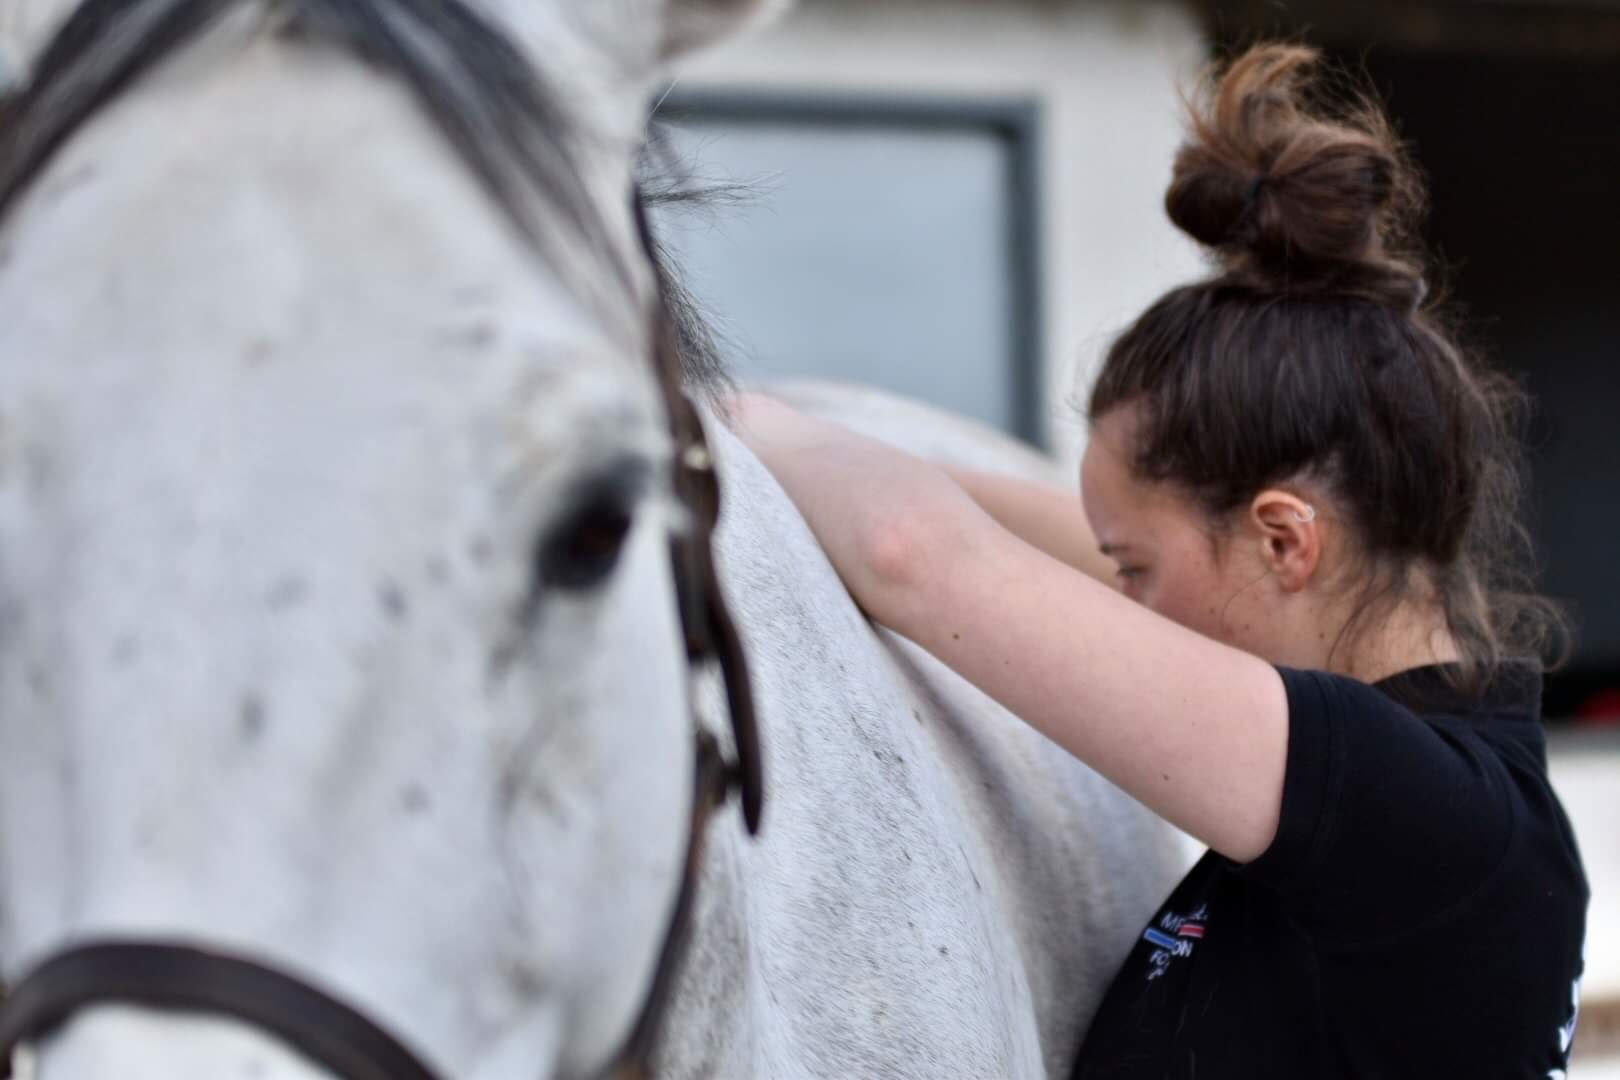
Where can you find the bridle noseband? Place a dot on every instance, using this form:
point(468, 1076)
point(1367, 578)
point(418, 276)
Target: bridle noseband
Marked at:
point(184, 978)
point(334, 1035)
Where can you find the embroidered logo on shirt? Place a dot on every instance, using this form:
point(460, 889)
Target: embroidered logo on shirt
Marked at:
point(1174, 935)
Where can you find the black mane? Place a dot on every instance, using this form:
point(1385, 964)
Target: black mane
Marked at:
point(478, 89)
point(666, 180)
point(500, 114)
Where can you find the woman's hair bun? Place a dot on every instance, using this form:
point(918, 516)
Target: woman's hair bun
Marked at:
point(1294, 188)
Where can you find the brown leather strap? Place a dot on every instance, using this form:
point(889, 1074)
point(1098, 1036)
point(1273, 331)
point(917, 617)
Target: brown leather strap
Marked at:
point(709, 793)
point(183, 978)
point(711, 633)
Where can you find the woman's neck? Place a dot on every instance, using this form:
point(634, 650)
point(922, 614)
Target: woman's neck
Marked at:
point(1411, 635)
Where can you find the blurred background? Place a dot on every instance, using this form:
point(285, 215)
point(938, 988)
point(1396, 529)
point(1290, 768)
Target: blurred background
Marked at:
point(961, 200)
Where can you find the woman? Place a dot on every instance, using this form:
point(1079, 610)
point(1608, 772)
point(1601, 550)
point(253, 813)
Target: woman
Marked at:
point(1318, 667)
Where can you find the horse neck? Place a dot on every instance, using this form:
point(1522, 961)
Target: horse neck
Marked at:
point(912, 830)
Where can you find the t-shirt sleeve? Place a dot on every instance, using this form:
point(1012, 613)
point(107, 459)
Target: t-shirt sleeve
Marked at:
point(1388, 819)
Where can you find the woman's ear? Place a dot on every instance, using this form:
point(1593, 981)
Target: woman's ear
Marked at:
point(690, 25)
point(1290, 537)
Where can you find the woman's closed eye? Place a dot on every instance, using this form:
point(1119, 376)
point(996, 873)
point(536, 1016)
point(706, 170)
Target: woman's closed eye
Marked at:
point(1130, 577)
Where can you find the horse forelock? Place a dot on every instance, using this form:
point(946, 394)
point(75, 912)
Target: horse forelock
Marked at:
point(483, 95)
point(498, 110)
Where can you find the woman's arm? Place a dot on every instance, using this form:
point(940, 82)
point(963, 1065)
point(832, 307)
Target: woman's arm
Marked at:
point(1196, 730)
point(1049, 518)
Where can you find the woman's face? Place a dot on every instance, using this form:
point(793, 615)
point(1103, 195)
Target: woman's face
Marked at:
point(1167, 558)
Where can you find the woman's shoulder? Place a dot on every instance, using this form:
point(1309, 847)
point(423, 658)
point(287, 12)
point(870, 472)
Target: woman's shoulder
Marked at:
point(1417, 780)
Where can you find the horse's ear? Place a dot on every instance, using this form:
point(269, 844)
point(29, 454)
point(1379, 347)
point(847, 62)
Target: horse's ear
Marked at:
point(11, 49)
point(25, 28)
point(690, 25)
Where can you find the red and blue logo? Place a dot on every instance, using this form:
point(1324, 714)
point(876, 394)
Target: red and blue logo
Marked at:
point(1174, 937)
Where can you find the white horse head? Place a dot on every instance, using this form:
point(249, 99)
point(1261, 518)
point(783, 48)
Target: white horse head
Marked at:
point(336, 620)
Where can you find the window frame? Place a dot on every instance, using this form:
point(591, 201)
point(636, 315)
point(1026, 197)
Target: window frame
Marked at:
point(1017, 125)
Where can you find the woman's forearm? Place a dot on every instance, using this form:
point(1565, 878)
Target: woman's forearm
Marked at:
point(1049, 518)
point(1193, 728)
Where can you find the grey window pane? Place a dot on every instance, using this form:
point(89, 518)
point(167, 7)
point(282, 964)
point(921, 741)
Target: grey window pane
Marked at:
point(880, 254)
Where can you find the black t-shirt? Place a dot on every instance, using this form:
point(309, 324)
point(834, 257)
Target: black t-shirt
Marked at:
point(1421, 912)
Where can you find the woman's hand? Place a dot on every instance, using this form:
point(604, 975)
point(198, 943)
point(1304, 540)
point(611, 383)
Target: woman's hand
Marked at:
point(860, 497)
point(1049, 517)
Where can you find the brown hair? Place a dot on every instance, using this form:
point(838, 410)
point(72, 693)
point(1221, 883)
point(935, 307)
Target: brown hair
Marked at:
point(1315, 352)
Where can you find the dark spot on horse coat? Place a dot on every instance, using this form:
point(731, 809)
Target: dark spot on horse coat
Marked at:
point(39, 683)
point(287, 592)
point(55, 189)
point(251, 718)
point(480, 550)
point(479, 335)
point(126, 650)
point(518, 787)
point(12, 617)
point(38, 470)
point(438, 570)
point(967, 862)
point(944, 951)
point(146, 833)
point(415, 799)
point(526, 983)
point(258, 352)
point(393, 601)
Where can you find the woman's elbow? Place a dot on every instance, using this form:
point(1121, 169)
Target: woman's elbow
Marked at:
point(889, 566)
point(895, 550)
point(907, 556)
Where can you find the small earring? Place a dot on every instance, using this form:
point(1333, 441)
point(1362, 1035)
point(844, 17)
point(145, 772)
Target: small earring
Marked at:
point(1307, 517)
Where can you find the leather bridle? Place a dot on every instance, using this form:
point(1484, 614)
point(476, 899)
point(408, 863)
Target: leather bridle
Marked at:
point(336, 1036)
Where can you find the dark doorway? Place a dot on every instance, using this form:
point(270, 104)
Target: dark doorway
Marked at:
point(1520, 137)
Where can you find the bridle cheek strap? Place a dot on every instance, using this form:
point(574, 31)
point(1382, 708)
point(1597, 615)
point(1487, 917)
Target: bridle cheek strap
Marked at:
point(186, 979)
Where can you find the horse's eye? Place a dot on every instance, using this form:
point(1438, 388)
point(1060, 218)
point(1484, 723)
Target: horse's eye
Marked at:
point(584, 548)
